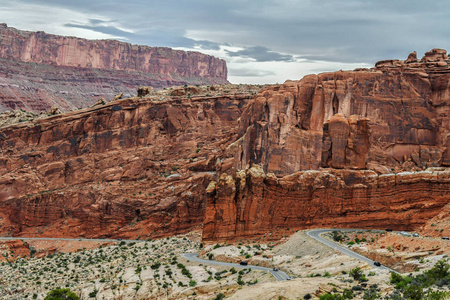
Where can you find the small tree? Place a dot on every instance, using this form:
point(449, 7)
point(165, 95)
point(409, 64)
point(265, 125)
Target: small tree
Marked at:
point(396, 278)
point(220, 297)
point(61, 294)
point(356, 273)
point(440, 269)
point(336, 236)
point(414, 292)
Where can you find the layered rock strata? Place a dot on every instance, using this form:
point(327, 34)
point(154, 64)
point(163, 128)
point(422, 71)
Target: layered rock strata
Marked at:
point(364, 148)
point(39, 70)
point(331, 149)
point(252, 203)
point(131, 168)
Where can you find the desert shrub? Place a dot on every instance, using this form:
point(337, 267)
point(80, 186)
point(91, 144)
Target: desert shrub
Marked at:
point(412, 287)
point(156, 265)
point(337, 236)
point(347, 294)
point(93, 293)
point(61, 294)
point(356, 273)
point(219, 297)
point(413, 292)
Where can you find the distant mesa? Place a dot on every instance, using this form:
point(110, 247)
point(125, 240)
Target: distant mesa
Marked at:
point(39, 70)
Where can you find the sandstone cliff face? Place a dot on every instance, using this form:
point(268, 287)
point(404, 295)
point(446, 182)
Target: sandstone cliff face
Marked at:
point(254, 203)
point(38, 70)
point(366, 148)
point(134, 167)
point(389, 119)
point(328, 150)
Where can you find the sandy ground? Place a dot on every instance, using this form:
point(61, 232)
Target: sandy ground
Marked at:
point(119, 271)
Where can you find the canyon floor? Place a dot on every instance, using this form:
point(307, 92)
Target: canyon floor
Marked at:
point(155, 269)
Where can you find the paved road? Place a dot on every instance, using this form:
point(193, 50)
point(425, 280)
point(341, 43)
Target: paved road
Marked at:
point(316, 234)
point(279, 275)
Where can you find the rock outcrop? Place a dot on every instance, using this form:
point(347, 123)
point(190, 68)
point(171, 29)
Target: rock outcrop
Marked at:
point(131, 168)
point(386, 119)
point(332, 150)
point(252, 203)
point(38, 70)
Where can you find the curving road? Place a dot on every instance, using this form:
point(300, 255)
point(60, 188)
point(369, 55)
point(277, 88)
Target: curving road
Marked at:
point(316, 234)
point(279, 275)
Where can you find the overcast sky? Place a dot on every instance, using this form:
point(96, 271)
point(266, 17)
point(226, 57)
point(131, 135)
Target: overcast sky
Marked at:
point(263, 41)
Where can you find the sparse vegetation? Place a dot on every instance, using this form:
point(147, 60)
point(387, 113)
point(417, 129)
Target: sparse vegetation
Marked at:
point(60, 294)
point(422, 286)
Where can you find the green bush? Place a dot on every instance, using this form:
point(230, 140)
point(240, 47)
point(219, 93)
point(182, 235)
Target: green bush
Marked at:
point(156, 265)
point(329, 296)
point(337, 237)
point(413, 287)
point(347, 294)
point(61, 294)
point(219, 297)
point(440, 270)
point(93, 293)
point(356, 273)
point(413, 292)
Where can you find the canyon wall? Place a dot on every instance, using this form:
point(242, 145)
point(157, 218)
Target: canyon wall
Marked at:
point(331, 150)
point(131, 168)
point(39, 70)
point(367, 148)
point(253, 204)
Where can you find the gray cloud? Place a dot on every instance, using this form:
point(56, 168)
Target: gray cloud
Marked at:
point(351, 31)
point(247, 72)
point(153, 38)
point(102, 27)
point(260, 54)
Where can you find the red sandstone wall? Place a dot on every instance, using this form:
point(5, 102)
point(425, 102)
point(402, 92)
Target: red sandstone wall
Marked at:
point(132, 168)
point(386, 120)
point(328, 147)
point(253, 203)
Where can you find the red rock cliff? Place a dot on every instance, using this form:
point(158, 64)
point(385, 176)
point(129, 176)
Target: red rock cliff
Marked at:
point(366, 148)
point(389, 119)
point(252, 203)
point(38, 69)
point(134, 167)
